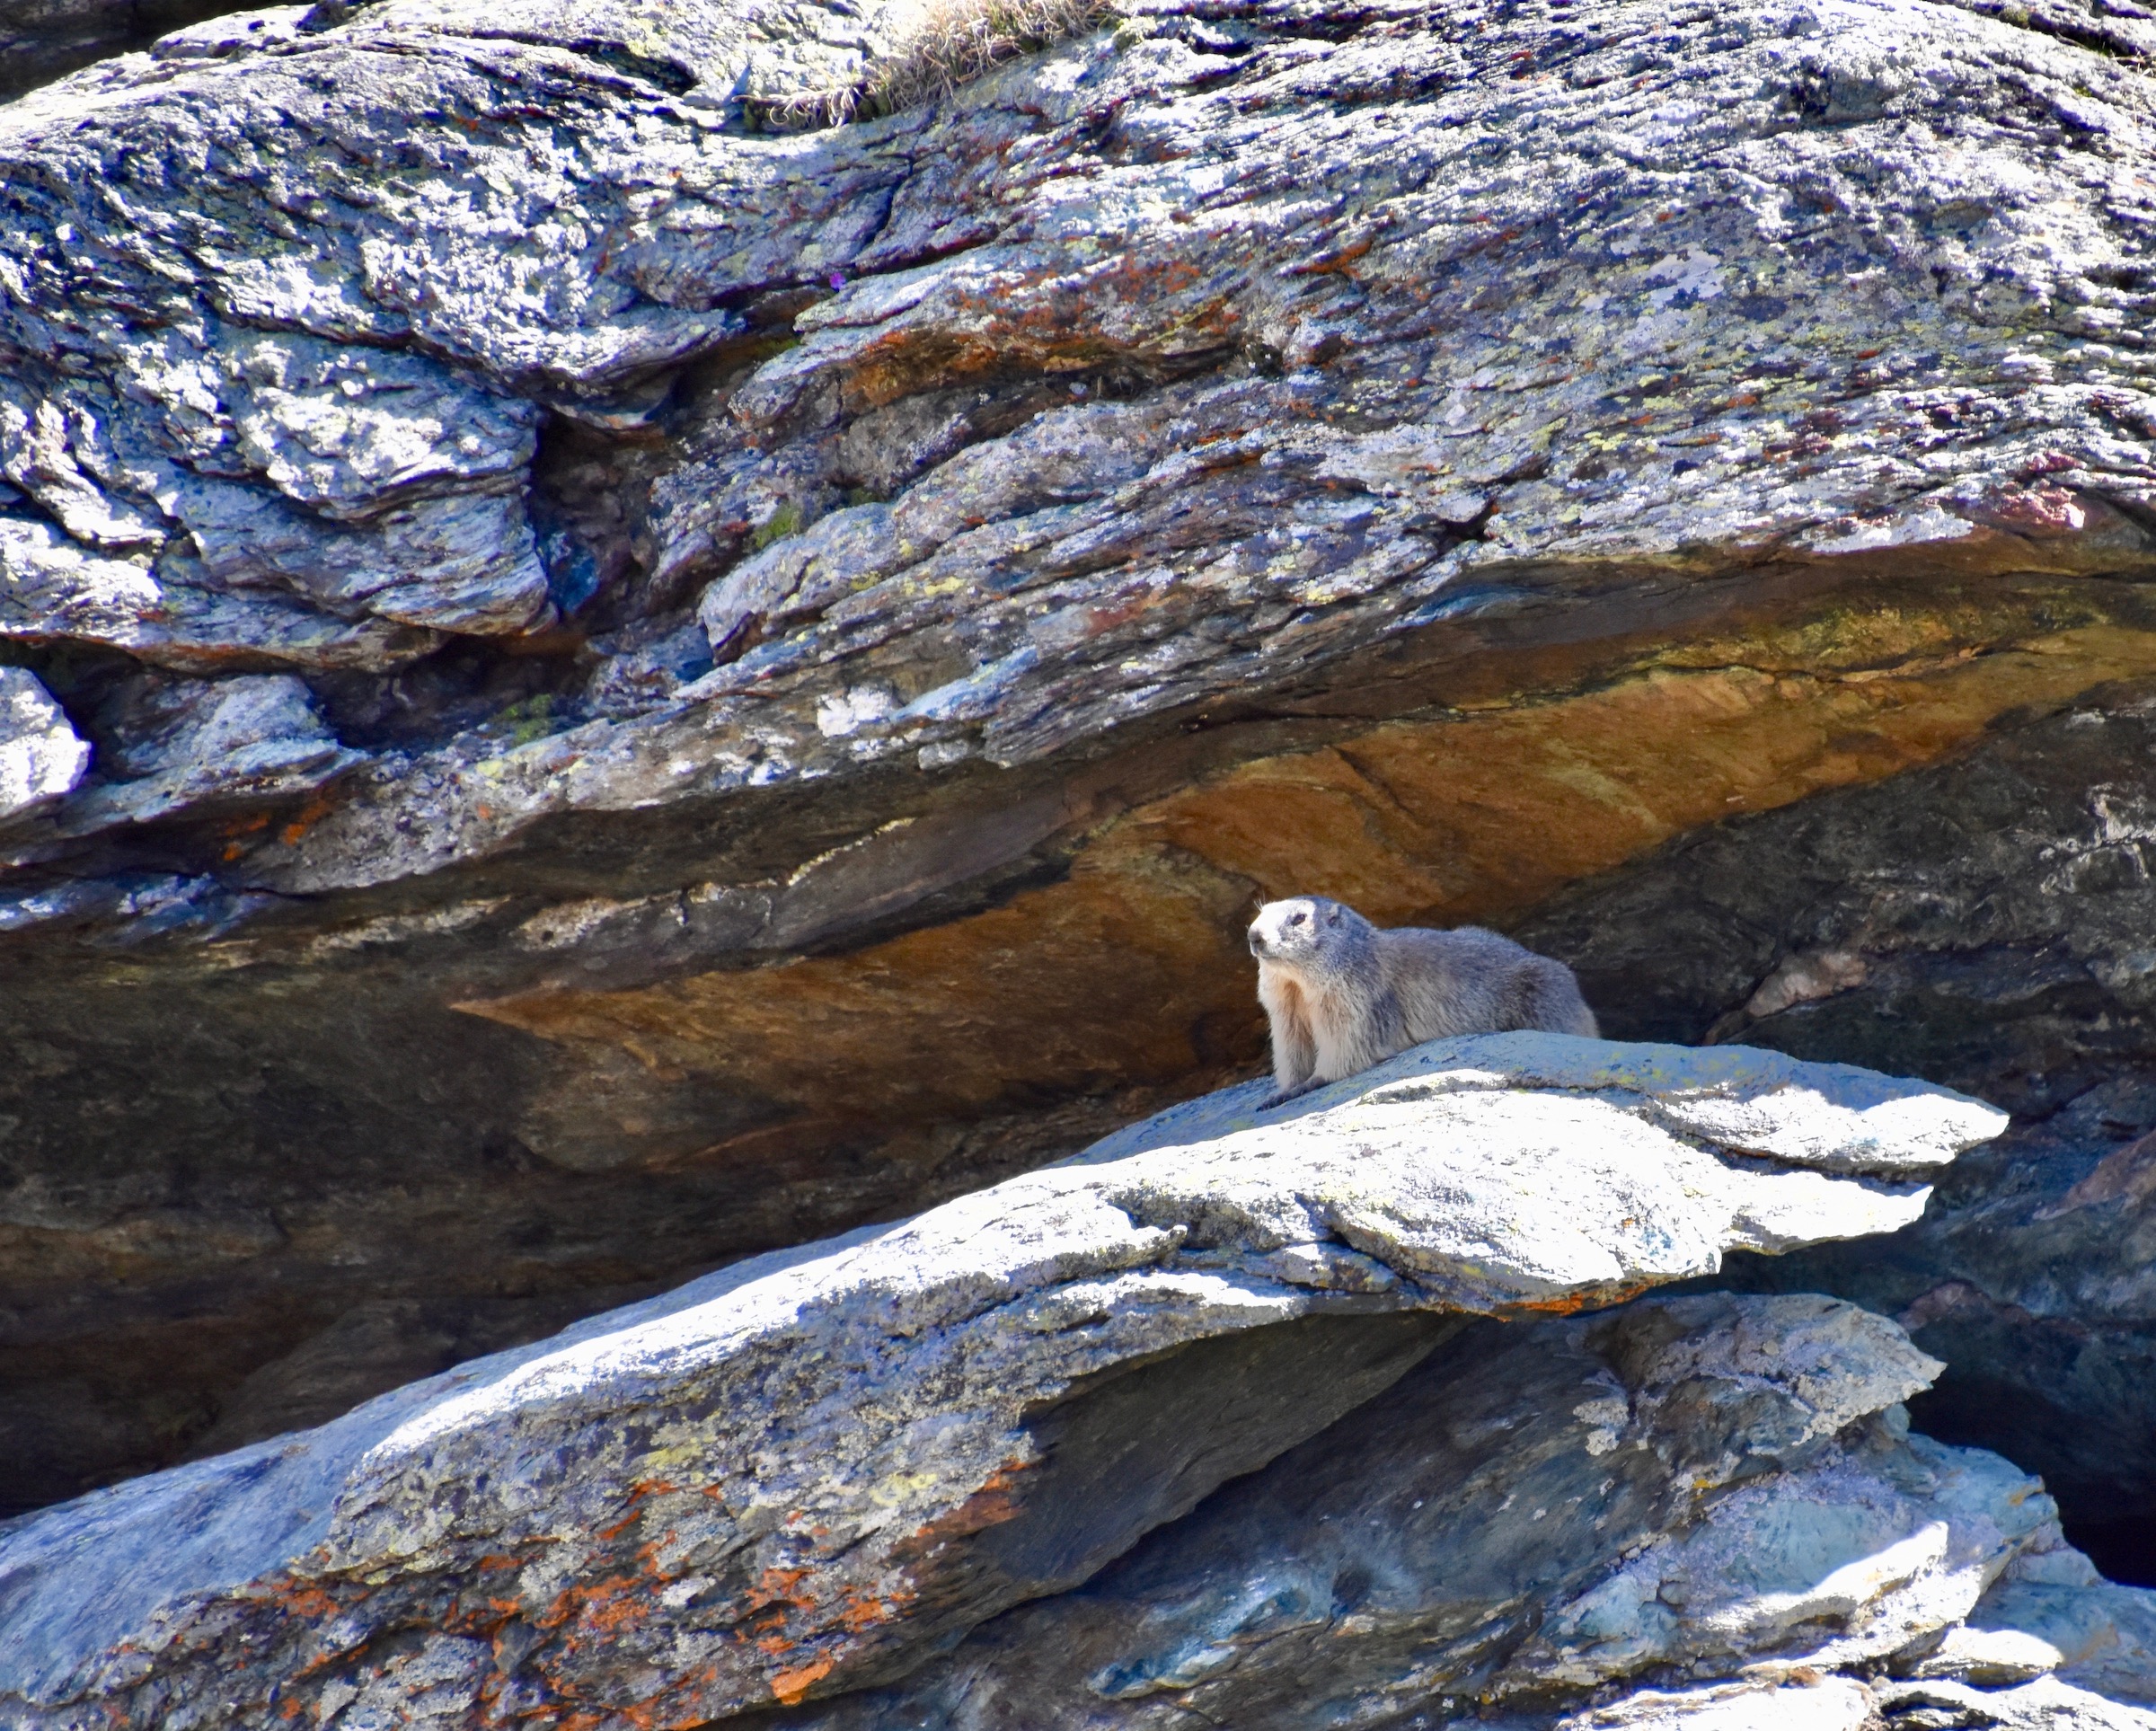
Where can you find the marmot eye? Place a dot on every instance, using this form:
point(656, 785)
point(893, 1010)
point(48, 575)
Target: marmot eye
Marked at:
point(1298, 918)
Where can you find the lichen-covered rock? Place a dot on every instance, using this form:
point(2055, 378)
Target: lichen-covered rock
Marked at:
point(841, 623)
point(803, 1474)
point(1515, 349)
point(2050, 1609)
point(1989, 922)
point(213, 745)
point(42, 39)
point(1839, 1703)
point(1681, 1491)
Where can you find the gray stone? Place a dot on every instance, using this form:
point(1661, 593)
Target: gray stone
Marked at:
point(1536, 1518)
point(802, 1474)
point(1829, 1117)
point(374, 353)
point(1837, 1703)
point(466, 567)
point(1825, 1704)
point(2048, 1704)
point(42, 40)
point(1988, 923)
point(52, 591)
point(42, 756)
point(1474, 445)
point(2052, 1608)
point(209, 747)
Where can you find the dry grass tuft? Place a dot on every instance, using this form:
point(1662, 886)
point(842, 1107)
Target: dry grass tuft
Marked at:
point(952, 43)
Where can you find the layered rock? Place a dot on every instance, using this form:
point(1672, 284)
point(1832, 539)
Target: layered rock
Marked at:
point(42, 39)
point(812, 641)
point(803, 1476)
point(42, 756)
point(1990, 921)
point(1684, 1489)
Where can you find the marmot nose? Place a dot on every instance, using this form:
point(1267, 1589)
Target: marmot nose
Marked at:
point(1257, 942)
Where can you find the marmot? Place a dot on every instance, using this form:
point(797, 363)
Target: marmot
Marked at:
point(1344, 995)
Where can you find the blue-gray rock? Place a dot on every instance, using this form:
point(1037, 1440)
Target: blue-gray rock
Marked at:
point(804, 1474)
point(820, 540)
point(42, 756)
point(1709, 1490)
point(215, 747)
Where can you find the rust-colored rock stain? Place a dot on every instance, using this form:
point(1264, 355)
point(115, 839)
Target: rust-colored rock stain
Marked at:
point(1131, 969)
point(790, 1688)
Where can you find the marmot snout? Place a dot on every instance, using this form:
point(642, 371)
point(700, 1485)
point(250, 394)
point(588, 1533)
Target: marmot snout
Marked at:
point(1291, 932)
point(1343, 994)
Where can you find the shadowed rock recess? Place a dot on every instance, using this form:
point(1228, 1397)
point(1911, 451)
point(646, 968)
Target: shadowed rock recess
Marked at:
point(971, 1469)
point(592, 688)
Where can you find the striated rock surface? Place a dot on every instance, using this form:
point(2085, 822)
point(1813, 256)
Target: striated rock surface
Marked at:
point(804, 1475)
point(1990, 921)
point(1691, 1488)
point(42, 756)
point(657, 688)
point(41, 39)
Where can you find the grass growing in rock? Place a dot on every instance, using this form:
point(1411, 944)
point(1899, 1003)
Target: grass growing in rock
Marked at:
point(947, 44)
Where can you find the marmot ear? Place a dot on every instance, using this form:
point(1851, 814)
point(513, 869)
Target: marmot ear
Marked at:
point(1332, 913)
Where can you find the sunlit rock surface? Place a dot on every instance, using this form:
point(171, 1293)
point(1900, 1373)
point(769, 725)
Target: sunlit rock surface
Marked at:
point(807, 1474)
point(1684, 1489)
point(1989, 922)
point(813, 642)
point(42, 756)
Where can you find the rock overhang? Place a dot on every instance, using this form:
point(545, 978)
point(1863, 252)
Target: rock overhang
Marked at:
point(1541, 1517)
point(1430, 584)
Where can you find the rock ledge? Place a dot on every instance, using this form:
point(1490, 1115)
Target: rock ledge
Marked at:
point(806, 1474)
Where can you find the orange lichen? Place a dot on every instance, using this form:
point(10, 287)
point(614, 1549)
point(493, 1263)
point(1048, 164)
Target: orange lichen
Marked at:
point(312, 813)
point(863, 1613)
point(308, 1602)
point(638, 1493)
point(1572, 1304)
point(603, 1607)
point(776, 1586)
point(790, 1688)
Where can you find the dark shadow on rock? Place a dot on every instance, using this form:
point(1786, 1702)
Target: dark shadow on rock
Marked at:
point(1987, 923)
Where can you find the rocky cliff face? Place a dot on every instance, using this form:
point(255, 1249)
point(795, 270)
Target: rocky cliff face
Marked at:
point(593, 687)
point(969, 1469)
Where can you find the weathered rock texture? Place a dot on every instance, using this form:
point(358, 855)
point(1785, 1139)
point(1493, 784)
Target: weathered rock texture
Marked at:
point(804, 1475)
point(39, 40)
point(1687, 1488)
point(1990, 921)
point(657, 687)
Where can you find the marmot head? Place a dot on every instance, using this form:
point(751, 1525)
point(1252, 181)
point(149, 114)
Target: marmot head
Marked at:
point(1309, 934)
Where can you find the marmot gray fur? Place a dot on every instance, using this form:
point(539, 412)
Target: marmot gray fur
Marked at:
point(1344, 995)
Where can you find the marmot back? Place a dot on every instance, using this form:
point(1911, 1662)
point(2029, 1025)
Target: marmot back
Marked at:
point(1343, 994)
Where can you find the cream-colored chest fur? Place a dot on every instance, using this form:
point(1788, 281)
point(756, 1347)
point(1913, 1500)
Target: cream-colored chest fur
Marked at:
point(1321, 1024)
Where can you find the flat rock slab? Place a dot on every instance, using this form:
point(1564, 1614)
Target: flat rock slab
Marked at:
point(806, 1472)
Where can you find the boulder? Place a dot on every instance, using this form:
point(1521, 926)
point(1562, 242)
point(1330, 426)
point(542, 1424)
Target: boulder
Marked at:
point(42, 756)
point(805, 1475)
point(1536, 1517)
point(1988, 922)
point(200, 745)
point(42, 40)
point(813, 639)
